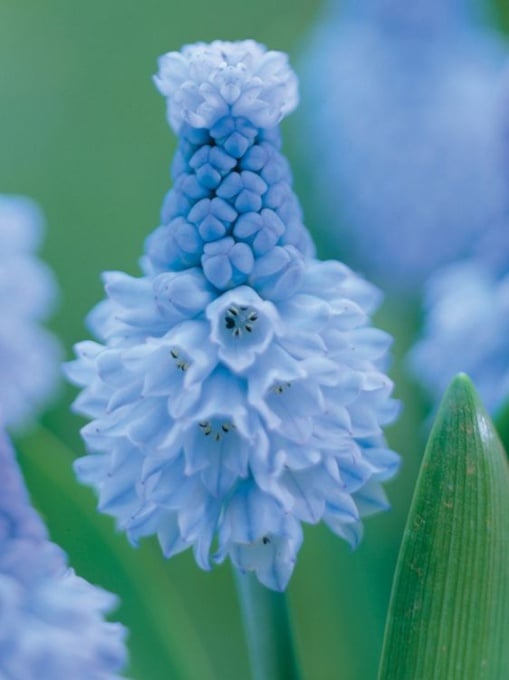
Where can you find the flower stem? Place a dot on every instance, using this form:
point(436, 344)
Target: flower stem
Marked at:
point(268, 630)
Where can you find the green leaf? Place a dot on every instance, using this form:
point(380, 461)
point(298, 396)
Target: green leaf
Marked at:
point(449, 612)
point(502, 423)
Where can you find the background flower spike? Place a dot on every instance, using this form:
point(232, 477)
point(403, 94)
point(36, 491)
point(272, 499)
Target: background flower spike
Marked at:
point(238, 387)
point(470, 299)
point(467, 299)
point(29, 355)
point(408, 132)
point(51, 621)
point(449, 612)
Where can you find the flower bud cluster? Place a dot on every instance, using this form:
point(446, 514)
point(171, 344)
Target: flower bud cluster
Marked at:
point(231, 210)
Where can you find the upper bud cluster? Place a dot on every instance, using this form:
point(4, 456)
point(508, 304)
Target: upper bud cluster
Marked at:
point(204, 83)
point(231, 210)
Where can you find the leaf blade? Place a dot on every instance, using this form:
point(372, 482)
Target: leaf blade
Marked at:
point(449, 611)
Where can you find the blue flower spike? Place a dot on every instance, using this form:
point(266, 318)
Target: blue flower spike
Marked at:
point(51, 621)
point(408, 133)
point(466, 315)
point(466, 326)
point(237, 389)
point(29, 355)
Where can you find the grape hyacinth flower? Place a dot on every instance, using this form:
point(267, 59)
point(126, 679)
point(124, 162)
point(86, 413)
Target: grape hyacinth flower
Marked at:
point(408, 132)
point(237, 390)
point(466, 329)
point(29, 355)
point(466, 313)
point(51, 621)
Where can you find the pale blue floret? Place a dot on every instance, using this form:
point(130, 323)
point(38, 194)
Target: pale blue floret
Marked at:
point(236, 83)
point(466, 329)
point(29, 355)
point(408, 132)
point(237, 389)
point(51, 621)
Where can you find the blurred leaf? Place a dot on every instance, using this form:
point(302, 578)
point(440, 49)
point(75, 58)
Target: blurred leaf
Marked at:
point(162, 640)
point(502, 423)
point(449, 612)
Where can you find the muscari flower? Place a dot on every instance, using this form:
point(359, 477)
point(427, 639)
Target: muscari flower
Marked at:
point(466, 314)
point(408, 131)
point(29, 354)
point(51, 621)
point(236, 390)
point(466, 329)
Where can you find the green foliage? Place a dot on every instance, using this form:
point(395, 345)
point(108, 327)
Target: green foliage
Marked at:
point(449, 611)
point(502, 423)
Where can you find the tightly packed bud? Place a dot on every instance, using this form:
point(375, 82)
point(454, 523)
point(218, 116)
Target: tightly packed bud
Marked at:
point(237, 390)
point(231, 201)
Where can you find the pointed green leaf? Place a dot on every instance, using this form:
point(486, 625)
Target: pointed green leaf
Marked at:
point(502, 423)
point(449, 612)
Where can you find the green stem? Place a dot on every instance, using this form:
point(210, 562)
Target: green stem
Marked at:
point(268, 630)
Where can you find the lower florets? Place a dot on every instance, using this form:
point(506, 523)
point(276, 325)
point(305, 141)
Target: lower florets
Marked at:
point(224, 428)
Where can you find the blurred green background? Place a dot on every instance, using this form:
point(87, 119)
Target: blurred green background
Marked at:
point(83, 131)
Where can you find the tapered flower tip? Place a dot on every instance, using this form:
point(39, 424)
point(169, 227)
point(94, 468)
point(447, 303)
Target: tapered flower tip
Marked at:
point(204, 83)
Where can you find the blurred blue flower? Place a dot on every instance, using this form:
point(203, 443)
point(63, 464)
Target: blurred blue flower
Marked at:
point(403, 106)
point(29, 355)
point(51, 621)
point(466, 329)
point(238, 389)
